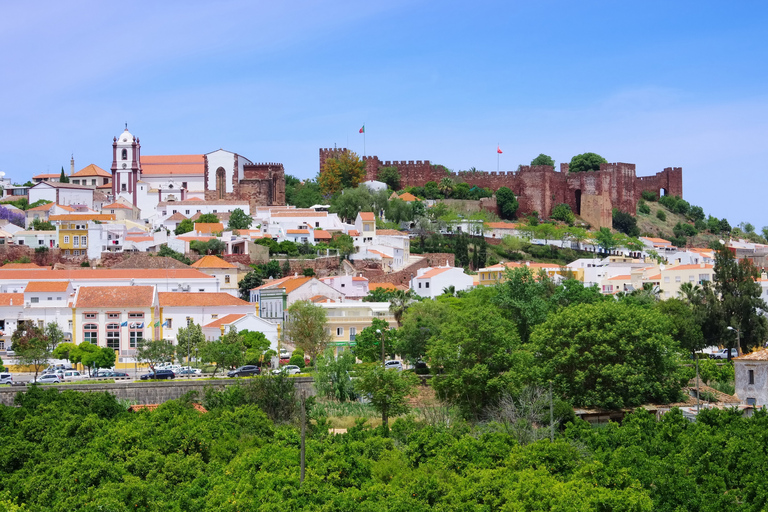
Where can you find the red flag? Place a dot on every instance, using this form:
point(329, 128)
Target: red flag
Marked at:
point(498, 149)
point(362, 130)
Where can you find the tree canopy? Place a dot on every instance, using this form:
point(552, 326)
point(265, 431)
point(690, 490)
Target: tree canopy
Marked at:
point(239, 220)
point(586, 162)
point(306, 327)
point(344, 171)
point(506, 202)
point(543, 159)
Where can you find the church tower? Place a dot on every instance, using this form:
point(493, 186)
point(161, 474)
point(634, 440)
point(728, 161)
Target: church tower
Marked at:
point(126, 166)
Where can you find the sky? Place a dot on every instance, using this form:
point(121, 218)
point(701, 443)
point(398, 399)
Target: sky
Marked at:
point(654, 83)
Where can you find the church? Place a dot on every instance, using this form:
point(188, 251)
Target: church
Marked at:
point(146, 181)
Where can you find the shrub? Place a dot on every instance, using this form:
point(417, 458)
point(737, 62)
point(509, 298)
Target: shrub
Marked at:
point(642, 207)
point(661, 215)
point(648, 195)
point(297, 358)
point(563, 212)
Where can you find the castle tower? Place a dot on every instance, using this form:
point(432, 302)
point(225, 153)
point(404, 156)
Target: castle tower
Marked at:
point(126, 166)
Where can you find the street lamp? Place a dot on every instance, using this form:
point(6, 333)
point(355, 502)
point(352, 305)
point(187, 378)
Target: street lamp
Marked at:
point(738, 340)
point(383, 358)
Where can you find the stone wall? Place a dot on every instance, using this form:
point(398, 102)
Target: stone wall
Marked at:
point(403, 277)
point(151, 392)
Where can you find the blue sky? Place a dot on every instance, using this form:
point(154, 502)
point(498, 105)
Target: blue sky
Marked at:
point(658, 84)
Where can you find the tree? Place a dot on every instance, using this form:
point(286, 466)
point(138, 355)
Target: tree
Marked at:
point(188, 339)
point(332, 378)
point(506, 202)
point(563, 213)
point(625, 223)
point(167, 252)
point(390, 176)
point(400, 302)
point(302, 194)
point(368, 342)
point(352, 201)
point(255, 343)
point(685, 322)
point(212, 246)
point(297, 358)
point(42, 225)
point(306, 327)
point(226, 352)
point(608, 355)
point(399, 211)
point(31, 346)
point(239, 220)
point(446, 186)
point(208, 218)
point(586, 162)
point(379, 295)
point(543, 159)
point(63, 177)
point(477, 358)
point(97, 357)
point(184, 226)
point(420, 323)
point(605, 239)
point(345, 171)
point(154, 352)
point(388, 390)
point(343, 243)
point(523, 299)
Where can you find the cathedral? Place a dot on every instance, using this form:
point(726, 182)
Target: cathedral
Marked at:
point(145, 181)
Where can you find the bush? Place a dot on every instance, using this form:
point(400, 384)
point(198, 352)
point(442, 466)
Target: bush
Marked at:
point(649, 196)
point(297, 358)
point(642, 207)
point(625, 223)
point(85, 264)
point(661, 215)
point(563, 212)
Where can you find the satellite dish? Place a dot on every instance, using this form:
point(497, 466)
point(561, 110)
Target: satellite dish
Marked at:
point(722, 242)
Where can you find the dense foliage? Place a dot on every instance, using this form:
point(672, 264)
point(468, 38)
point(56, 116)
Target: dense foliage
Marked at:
point(586, 162)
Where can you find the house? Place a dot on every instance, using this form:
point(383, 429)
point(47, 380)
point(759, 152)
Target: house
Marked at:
point(115, 317)
point(91, 176)
point(751, 378)
point(182, 309)
point(37, 239)
point(345, 320)
point(396, 243)
point(242, 322)
point(44, 211)
point(365, 224)
point(46, 177)
point(353, 287)
point(11, 310)
point(431, 281)
point(501, 229)
point(122, 210)
point(62, 193)
point(224, 272)
point(276, 296)
point(496, 273)
point(300, 236)
point(73, 231)
point(673, 277)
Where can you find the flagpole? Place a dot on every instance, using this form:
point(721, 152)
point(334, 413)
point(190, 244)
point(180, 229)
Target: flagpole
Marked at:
point(497, 156)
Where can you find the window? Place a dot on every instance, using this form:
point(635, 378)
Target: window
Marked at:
point(135, 315)
point(169, 323)
point(751, 401)
point(93, 182)
point(76, 253)
point(751, 376)
point(226, 279)
point(339, 331)
point(136, 335)
point(678, 279)
point(84, 241)
point(41, 242)
point(122, 187)
point(419, 284)
point(125, 154)
point(50, 298)
point(184, 185)
point(76, 241)
point(352, 333)
point(35, 300)
point(90, 315)
point(66, 239)
point(186, 211)
point(113, 316)
point(317, 224)
point(666, 279)
point(214, 317)
point(691, 278)
point(113, 336)
point(426, 285)
point(66, 253)
point(90, 333)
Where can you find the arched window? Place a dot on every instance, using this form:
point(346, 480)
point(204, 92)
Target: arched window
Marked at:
point(113, 336)
point(125, 154)
point(91, 333)
point(221, 182)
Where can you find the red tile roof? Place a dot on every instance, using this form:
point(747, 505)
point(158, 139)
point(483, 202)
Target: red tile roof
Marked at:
point(383, 286)
point(209, 227)
point(176, 299)
point(695, 266)
point(172, 164)
point(47, 286)
point(353, 232)
point(41, 176)
point(116, 205)
point(367, 216)
point(7, 298)
point(297, 231)
point(177, 216)
point(290, 283)
point(83, 216)
point(211, 261)
point(434, 272)
point(229, 319)
point(91, 170)
point(390, 232)
point(102, 274)
point(321, 234)
point(115, 296)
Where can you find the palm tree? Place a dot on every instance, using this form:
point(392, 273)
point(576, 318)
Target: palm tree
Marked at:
point(445, 186)
point(450, 290)
point(691, 293)
point(399, 304)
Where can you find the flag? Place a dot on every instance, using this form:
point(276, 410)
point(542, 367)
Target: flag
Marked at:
point(140, 326)
point(498, 149)
point(157, 324)
point(124, 324)
point(165, 324)
point(362, 130)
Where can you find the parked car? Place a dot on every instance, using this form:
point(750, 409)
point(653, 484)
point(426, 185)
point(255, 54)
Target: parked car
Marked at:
point(119, 374)
point(245, 371)
point(723, 354)
point(393, 365)
point(158, 374)
point(73, 375)
point(48, 378)
point(100, 373)
point(289, 369)
point(6, 378)
point(190, 371)
point(284, 354)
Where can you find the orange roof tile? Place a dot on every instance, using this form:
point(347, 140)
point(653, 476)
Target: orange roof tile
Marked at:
point(390, 232)
point(208, 227)
point(434, 272)
point(42, 207)
point(172, 164)
point(11, 266)
point(193, 237)
point(374, 251)
point(300, 214)
point(211, 261)
point(407, 196)
point(101, 274)
point(502, 225)
point(179, 299)
point(47, 286)
point(139, 238)
point(357, 278)
point(367, 216)
point(116, 205)
point(7, 298)
point(654, 277)
point(694, 266)
point(226, 320)
point(620, 278)
point(320, 298)
point(297, 231)
point(383, 286)
point(177, 216)
point(91, 170)
point(660, 241)
point(321, 234)
point(353, 232)
point(290, 283)
point(41, 176)
point(83, 216)
point(115, 296)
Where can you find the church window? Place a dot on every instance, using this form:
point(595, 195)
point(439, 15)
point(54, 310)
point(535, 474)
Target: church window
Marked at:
point(220, 182)
point(122, 188)
point(183, 184)
point(125, 154)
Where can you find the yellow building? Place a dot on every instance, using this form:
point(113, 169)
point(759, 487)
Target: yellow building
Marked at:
point(345, 320)
point(73, 231)
point(496, 273)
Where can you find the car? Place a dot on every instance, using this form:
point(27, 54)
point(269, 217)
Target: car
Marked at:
point(393, 365)
point(73, 375)
point(118, 374)
point(190, 371)
point(420, 365)
point(245, 371)
point(284, 354)
point(100, 373)
point(158, 374)
point(723, 354)
point(6, 378)
point(48, 378)
point(289, 369)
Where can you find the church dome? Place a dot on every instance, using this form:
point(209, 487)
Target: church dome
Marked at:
point(125, 137)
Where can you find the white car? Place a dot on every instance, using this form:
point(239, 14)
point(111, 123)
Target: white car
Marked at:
point(289, 369)
point(48, 378)
point(393, 365)
point(6, 378)
point(73, 375)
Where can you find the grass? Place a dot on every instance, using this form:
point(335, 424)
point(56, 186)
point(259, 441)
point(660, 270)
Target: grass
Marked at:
point(345, 414)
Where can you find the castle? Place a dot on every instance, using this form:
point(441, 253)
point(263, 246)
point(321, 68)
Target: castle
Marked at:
point(592, 195)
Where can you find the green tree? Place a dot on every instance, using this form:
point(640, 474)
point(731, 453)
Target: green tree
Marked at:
point(302, 194)
point(332, 378)
point(477, 358)
point(523, 299)
point(606, 239)
point(543, 159)
point(625, 223)
point(345, 171)
point(343, 243)
point(420, 323)
point(184, 226)
point(399, 211)
point(239, 220)
point(212, 246)
point(63, 177)
point(154, 352)
point(97, 357)
point(42, 225)
point(188, 339)
point(226, 352)
point(208, 218)
point(256, 343)
point(390, 176)
point(388, 390)
point(685, 323)
point(306, 327)
point(400, 302)
point(507, 203)
point(379, 295)
point(170, 253)
point(661, 215)
point(446, 186)
point(563, 213)
point(31, 346)
point(368, 342)
point(355, 200)
point(297, 358)
point(608, 355)
point(586, 162)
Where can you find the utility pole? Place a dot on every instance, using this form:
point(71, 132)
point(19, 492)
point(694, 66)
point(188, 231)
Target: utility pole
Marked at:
point(551, 415)
point(303, 434)
point(383, 356)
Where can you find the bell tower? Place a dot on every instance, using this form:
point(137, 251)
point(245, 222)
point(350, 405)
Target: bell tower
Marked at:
point(126, 166)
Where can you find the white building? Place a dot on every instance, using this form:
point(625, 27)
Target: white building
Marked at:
point(181, 309)
point(242, 322)
point(431, 281)
point(353, 287)
point(36, 239)
point(66, 194)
